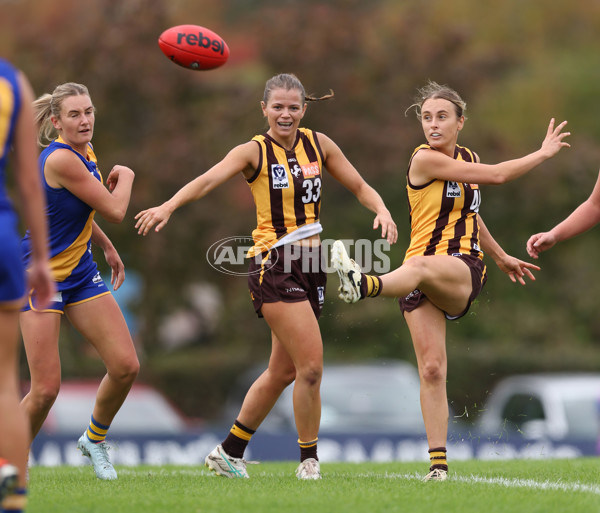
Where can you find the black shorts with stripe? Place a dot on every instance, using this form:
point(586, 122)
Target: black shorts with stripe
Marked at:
point(289, 273)
point(478, 279)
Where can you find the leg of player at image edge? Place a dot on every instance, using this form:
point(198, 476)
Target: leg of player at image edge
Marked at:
point(12, 498)
point(438, 471)
point(93, 445)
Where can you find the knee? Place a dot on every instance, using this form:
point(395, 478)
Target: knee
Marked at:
point(282, 377)
point(311, 374)
point(44, 394)
point(126, 372)
point(418, 266)
point(433, 372)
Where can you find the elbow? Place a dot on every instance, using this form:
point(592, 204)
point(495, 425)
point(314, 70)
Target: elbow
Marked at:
point(499, 179)
point(115, 216)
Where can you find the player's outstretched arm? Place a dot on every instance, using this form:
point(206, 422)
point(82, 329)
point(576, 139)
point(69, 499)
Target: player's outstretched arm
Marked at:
point(584, 217)
point(242, 158)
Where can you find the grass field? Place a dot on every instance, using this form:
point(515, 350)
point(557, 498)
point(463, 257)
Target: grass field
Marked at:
point(544, 486)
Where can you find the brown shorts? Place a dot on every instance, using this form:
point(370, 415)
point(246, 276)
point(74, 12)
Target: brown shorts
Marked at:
point(289, 274)
point(478, 279)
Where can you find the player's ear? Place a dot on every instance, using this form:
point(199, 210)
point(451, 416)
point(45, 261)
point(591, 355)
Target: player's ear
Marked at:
point(55, 122)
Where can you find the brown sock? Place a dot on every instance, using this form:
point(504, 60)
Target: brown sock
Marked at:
point(437, 458)
point(237, 440)
point(308, 449)
point(370, 286)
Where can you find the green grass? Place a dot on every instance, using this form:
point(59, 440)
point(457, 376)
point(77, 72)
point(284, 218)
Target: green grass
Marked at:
point(544, 486)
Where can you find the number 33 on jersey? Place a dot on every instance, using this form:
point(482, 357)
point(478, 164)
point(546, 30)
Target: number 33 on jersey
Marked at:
point(286, 186)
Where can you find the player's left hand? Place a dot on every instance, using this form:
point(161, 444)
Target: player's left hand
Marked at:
point(389, 230)
point(517, 269)
point(117, 273)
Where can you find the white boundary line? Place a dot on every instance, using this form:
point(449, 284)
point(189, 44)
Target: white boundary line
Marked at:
point(496, 481)
point(513, 483)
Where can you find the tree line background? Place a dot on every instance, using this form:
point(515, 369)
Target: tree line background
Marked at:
point(517, 64)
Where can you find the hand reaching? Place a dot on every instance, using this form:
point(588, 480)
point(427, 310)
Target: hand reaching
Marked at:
point(540, 242)
point(146, 219)
point(553, 141)
point(517, 269)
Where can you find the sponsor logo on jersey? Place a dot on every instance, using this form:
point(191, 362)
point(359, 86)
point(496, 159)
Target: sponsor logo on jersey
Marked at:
point(310, 170)
point(453, 190)
point(279, 177)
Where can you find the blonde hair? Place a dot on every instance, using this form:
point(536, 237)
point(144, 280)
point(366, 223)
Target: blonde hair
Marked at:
point(289, 81)
point(49, 105)
point(433, 91)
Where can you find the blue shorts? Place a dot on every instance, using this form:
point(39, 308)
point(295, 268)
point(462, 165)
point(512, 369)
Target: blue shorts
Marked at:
point(87, 290)
point(12, 273)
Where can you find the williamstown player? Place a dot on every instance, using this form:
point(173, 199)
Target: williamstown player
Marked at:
point(443, 270)
point(584, 217)
point(74, 193)
point(285, 171)
point(17, 130)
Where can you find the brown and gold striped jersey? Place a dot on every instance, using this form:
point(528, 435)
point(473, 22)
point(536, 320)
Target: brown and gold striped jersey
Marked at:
point(286, 188)
point(443, 214)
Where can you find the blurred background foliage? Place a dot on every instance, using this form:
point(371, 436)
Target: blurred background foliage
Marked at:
point(517, 64)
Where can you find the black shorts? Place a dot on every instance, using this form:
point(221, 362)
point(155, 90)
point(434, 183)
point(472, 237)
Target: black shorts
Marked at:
point(478, 279)
point(290, 274)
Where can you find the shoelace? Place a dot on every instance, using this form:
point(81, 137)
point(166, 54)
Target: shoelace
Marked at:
point(101, 450)
point(310, 467)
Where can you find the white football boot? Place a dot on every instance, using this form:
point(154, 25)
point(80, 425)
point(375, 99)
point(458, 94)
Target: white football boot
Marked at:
point(309, 469)
point(224, 465)
point(8, 479)
point(437, 474)
point(348, 271)
point(98, 455)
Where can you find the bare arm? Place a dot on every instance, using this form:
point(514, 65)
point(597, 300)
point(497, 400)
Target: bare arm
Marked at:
point(515, 269)
point(64, 169)
point(431, 165)
point(584, 217)
point(344, 172)
point(242, 158)
point(32, 197)
point(117, 274)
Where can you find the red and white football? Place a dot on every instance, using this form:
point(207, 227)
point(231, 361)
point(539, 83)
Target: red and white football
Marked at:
point(194, 47)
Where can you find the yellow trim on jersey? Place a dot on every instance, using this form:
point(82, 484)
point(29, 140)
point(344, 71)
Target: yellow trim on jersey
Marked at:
point(62, 264)
point(7, 105)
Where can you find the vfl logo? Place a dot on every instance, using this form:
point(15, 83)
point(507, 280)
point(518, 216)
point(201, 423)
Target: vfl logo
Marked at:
point(321, 294)
point(453, 190)
point(97, 279)
point(228, 256)
point(279, 177)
